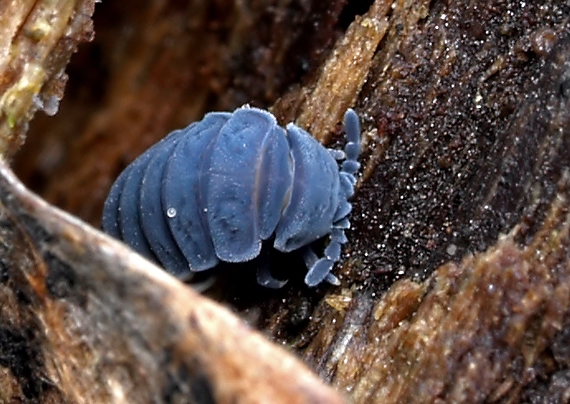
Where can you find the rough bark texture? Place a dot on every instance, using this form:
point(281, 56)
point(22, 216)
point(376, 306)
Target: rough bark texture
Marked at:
point(37, 39)
point(84, 320)
point(455, 283)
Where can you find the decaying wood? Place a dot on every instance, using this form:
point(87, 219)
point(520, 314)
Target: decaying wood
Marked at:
point(37, 39)
point(75, 328)
point(472, 128)
point(455, 283)
point(85, 320)
point(477, 331)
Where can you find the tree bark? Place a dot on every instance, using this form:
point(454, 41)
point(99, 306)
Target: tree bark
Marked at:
point(455, 280)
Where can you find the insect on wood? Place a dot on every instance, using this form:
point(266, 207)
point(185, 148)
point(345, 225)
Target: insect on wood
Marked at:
point(215, 190)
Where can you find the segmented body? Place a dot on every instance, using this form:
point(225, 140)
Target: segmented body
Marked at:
point(216, 189)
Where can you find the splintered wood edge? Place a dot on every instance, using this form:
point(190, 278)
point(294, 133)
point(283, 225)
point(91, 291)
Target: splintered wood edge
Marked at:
point(37, 39)
point(237, 363)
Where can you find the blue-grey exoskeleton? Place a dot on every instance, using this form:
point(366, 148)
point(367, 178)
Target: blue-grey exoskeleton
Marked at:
point(216, 189)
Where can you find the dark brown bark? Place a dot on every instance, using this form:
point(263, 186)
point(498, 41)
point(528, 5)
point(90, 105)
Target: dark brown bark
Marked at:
point(455, 281)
